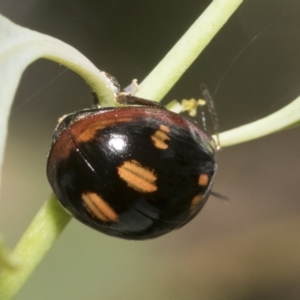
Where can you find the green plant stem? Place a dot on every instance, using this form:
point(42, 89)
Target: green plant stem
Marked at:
point(7, 259)
point(33, 246)
point(164, 76)
point(284, 118)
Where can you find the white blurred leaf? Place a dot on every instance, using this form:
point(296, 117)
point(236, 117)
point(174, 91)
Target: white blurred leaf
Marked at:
point(19, 47)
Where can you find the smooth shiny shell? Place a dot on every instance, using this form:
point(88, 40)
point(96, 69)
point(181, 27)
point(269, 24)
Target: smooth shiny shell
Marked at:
point(133, 172)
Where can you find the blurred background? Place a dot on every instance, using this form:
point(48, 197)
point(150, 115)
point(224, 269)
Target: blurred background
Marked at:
point(247, 248)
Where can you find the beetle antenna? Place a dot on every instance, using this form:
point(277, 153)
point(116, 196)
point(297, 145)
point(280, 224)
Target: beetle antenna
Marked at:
point(219, 196)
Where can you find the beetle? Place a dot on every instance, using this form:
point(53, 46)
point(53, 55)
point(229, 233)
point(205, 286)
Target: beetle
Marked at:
point(136, 172)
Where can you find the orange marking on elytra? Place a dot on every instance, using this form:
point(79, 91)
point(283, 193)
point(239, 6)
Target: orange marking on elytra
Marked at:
point(196, 200)
point(160, 137)
point(164, 128)
point(91, 130)
point(99, 208)
point(138, 177)
point(203, 180)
